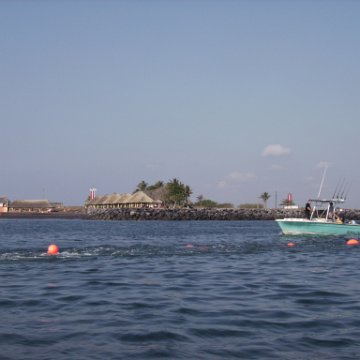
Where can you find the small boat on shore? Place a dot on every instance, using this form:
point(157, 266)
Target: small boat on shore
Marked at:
point(326, 218)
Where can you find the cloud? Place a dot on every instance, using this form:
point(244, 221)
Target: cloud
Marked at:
point(235, 178)
point(323, 164)
point(222, 184)
point(275, 150)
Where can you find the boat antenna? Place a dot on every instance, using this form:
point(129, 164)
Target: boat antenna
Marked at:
point(340, 188)
point(345, 191)
point(342, 192)
point(322, 180)
point(336, 189)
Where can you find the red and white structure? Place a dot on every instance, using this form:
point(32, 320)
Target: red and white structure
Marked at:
point(92, 193)
point(290, 202)
point(290, 198)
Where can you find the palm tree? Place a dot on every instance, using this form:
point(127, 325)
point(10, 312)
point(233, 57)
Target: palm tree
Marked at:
point(187, 193)
point(265, 197)
point(200, 199)
point(142, 186)
point(177, 192)
point(159, 184)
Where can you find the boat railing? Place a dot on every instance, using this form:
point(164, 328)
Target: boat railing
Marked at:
point(325, 208)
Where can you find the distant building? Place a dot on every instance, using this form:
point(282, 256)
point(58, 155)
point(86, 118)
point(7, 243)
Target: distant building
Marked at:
point(37, 206)
point(289, 207)
point(4, 204)
point(115, 201)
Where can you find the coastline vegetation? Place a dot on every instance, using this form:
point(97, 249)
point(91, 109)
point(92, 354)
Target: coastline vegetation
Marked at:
point(174, 193)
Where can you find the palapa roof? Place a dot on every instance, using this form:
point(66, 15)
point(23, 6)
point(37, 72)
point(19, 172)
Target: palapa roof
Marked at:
point(113, 198)
point(137, 198)
point(39, 204)
point(109, 199)
point(97, 200)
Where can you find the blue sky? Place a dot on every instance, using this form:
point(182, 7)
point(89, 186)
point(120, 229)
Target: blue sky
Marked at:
point(233, 98)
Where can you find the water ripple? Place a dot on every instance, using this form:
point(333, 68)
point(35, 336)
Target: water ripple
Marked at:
point(204, 290)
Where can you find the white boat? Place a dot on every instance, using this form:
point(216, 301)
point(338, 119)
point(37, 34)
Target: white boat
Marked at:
point(326, 218)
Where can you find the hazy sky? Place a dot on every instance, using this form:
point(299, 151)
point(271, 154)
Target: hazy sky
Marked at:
point(233, 98)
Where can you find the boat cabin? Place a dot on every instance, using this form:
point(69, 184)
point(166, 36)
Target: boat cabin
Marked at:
point(325, 209)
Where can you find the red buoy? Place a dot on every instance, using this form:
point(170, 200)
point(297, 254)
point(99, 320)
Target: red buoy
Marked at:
point(352, 242)
point(53, 249)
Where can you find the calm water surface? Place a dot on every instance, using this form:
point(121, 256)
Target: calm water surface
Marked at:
point(176, 290)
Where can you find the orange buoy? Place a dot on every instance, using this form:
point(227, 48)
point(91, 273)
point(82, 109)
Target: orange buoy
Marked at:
point(53, 249)
point(290, 244)
point(352, 242)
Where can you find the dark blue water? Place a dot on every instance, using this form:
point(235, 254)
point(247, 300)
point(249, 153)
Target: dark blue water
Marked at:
point(176, 290)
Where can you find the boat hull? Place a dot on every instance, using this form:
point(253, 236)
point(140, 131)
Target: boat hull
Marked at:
point(303, 226)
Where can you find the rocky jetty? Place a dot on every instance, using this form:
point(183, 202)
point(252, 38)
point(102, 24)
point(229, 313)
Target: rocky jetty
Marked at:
point(202, 214)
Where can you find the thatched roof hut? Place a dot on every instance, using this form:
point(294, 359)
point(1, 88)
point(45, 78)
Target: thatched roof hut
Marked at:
point(30, 206)
point(136, 200)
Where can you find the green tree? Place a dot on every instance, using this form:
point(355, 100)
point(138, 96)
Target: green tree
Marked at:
point(287, 202)
point(200, 199)
point(141, 186)
point(159, 184)
point(226, 205)
point(177, 194)
point(187, 192)
point(251, 206)
point(265, 197)
point(209, 203)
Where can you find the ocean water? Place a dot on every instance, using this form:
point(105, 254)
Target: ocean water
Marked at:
point(175, 290)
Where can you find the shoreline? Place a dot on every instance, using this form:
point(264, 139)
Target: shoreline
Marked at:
point(174, 214)
point(203, 214)
point(34, 215)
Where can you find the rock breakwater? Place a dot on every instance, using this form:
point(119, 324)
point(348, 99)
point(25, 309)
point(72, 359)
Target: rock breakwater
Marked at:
point(193, 214)
point(202, 214)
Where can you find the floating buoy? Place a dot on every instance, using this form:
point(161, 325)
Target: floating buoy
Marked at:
point(53, 249)
point(290, 244)
point(352, 242)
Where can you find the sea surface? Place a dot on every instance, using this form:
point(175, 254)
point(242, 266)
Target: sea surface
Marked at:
point(175, 290)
